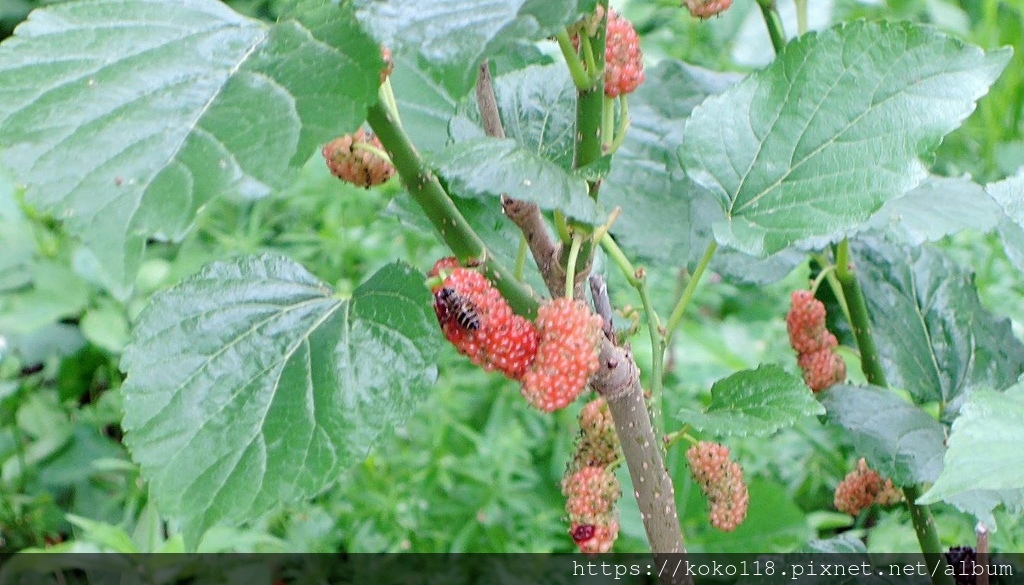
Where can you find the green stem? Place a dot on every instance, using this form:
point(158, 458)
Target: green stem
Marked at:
point(570, 265)
point(822, 276)
point(833, 283)
point(387, 95)
point(619, 257)
point(657, 355)
point(562, 227)
point(439, 208)
point(521, 257)
point(588, 58)
point(588, 126)
point(801, 16)
point(579, 76)
point(620, 130)
point(927, 536)
point(774, 23)
point(681, 434)
point(691, 286)
point(590, 102)
point(607, 124)
point(860, 322)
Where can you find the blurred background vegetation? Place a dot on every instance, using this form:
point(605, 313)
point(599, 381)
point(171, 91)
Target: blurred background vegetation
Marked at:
point(476, 469)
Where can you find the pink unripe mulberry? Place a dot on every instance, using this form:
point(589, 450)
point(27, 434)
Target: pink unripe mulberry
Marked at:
point(358, 166)
point(707, 8)
point(590, 497)
point(814, 344)
point(598, 444)
point(590, 494)
point(721, 481)
point(623, 60)
point(822, 369)
point(566, 355)
point(863, 487)
point(806, 322)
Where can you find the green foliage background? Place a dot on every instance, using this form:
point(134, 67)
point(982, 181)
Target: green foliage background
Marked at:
point(474, 469)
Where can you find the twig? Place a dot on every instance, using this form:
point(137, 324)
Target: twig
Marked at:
point(490, 117)
point(526, 215)
point(618, 381)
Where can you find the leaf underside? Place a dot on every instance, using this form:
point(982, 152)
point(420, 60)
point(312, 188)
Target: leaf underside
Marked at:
point(452, 37)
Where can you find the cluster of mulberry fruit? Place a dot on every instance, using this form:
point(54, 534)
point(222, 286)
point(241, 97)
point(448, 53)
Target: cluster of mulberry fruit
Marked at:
point(552, 358)
point(863, 487)
point(356, 165)
point(590, 496)
point(721, 481)
point(814, 344)
point(589, 486)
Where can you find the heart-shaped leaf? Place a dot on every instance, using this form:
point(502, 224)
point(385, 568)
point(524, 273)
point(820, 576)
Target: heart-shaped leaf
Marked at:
point(424, 105)
point(163, 104)
point(538, 110)
point(252, 384)
point(816, 142)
